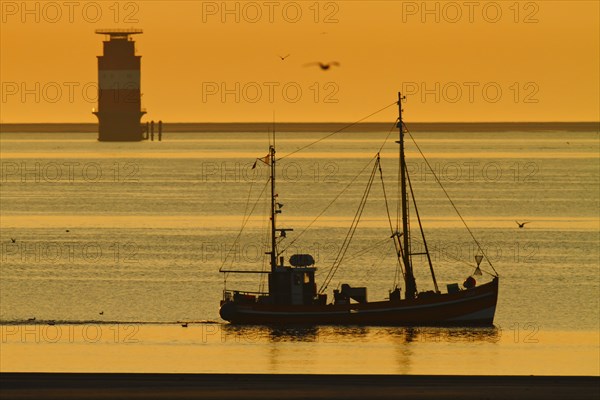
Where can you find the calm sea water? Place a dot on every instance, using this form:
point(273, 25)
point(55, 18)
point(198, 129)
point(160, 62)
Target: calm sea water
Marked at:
point(119, 242)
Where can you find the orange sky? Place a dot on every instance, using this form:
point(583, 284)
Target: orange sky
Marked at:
point(542, 56)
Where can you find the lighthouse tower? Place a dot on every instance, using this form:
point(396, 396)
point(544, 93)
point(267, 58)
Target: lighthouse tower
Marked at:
point(119, 98)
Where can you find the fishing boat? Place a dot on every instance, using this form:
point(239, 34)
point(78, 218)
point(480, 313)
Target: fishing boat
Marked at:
point(293, 299)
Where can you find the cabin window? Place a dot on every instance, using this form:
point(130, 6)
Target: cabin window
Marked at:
point(306, 277)
point(297, 279)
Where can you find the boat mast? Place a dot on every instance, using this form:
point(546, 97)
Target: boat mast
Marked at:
point(273, 251)
point(409, 278)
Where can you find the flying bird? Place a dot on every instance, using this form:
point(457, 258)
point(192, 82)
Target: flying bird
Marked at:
point(13, 240)
point(284, 57)
point(522, 224)
point(324, 66)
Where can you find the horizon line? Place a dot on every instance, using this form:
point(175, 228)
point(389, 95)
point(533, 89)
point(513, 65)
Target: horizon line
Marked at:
point(251, 127)
point(321, 122)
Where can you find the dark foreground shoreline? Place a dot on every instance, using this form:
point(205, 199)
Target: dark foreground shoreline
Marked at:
point(261, 386)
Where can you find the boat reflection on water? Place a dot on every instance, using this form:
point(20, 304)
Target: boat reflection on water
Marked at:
point(261, 334)
point(265, 334)
point(446, 335)
point(359, 349)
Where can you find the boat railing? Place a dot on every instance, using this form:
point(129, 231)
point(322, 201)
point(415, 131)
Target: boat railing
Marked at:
point(245, 296)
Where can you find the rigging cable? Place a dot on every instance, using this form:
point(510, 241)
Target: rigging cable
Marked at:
point(395, 235)
point(363, 251)
point(339, 194)
point(248, 199)
point(388, 136)
point(449, 255)
point(412, 195)
point(376, 263)
point(243, 219)
point(451, 202)
point(338, 131)
point(243, 226)
point(351, 231)
point(326, 208)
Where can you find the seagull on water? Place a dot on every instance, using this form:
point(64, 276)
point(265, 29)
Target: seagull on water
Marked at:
point(13, 240)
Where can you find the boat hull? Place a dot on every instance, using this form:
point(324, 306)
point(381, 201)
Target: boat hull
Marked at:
point(473, 307)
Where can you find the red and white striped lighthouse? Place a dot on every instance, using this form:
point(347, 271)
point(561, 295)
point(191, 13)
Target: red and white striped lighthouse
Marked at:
point(119, 97)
